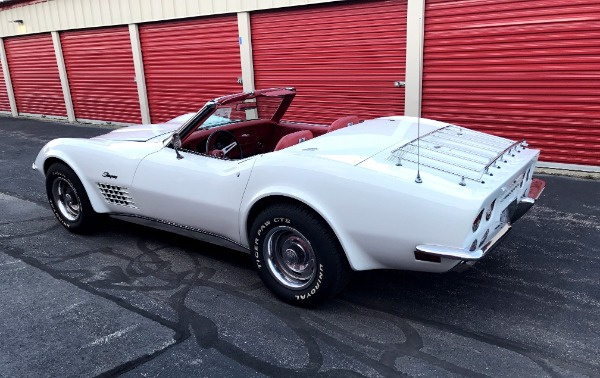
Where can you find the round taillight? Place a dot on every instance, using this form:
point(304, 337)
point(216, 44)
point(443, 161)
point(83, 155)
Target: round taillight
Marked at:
point(477, 221)
point(484, 238)
point(473, 246)
point(488, 213)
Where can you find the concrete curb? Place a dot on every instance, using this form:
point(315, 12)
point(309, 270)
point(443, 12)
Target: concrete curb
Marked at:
point(568, 173)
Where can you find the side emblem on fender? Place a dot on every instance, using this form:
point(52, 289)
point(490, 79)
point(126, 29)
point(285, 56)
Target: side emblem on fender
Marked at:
point(106, 174)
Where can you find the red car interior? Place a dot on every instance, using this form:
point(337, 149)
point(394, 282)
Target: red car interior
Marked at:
point(343, 122)
point(293, 139)
point(258, 136)
point(255, 137)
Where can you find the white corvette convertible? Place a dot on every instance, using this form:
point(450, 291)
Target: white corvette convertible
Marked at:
point(310, 203)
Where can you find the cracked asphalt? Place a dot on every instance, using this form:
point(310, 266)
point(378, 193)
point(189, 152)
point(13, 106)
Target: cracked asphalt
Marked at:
point(131, 301)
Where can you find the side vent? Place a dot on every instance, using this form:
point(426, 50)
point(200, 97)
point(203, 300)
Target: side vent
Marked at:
point(116, 195)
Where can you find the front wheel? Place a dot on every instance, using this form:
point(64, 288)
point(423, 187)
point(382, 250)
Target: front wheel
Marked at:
point(68, 199)
point(297, 256)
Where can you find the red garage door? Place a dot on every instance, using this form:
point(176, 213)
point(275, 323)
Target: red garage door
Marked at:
point(34, 75)
point(101, 74)
point(342, 58)
point(521, 69)
point(4, 102)
point(189, 62)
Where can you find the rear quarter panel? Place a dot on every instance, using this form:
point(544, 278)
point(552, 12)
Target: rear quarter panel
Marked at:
point(378, 219)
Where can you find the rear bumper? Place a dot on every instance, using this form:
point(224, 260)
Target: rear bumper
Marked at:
point(462, 253)
point(521, 207)
point(515, 211)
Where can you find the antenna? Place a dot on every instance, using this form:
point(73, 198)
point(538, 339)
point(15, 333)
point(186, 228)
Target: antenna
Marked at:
point(421, 41)
point(418, 179)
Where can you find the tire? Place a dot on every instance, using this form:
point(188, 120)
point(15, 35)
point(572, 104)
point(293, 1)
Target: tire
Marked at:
point(68, 199)
point(297, 256)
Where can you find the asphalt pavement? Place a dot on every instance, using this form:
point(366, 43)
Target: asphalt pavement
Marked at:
point(136, 302)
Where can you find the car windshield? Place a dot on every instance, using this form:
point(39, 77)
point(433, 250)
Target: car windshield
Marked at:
point(261, 107)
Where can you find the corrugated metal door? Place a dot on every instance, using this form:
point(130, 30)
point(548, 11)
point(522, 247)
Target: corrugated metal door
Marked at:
point(34, 75)
point(520, 69)
point(101, 74)
point(189, 62)
point(4, 102)
point(343, 58)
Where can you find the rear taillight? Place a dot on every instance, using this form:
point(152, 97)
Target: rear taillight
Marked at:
point(477, 221)
point(484, 238)
point(473, 245)
point(488, 213)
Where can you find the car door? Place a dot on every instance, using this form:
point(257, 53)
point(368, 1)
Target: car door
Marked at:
point(197, 191)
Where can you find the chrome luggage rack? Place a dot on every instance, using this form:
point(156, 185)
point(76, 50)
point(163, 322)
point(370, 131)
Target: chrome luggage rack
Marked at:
point(458, 151)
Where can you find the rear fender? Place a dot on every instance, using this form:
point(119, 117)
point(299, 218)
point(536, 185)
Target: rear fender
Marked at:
point(356, 258)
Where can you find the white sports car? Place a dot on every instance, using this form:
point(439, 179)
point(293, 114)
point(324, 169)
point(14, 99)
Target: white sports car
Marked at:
point(309, 202)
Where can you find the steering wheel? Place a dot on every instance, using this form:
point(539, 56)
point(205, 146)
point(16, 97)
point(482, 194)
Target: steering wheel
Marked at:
point(222, 151)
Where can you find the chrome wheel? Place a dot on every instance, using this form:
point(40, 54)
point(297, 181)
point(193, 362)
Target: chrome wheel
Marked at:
point(66, 199)
point(290, 257)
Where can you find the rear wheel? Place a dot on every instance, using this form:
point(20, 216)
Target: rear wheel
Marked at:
point(297, 256)
point(68, 199)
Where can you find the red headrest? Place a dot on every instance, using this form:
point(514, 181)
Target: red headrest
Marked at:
point(343, 122)
point(293, 138)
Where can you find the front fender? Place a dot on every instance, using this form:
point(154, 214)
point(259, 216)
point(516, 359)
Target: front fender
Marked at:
point(52, 151)
point(97, 161)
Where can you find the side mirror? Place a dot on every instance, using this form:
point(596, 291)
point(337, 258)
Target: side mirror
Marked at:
point(176, 140)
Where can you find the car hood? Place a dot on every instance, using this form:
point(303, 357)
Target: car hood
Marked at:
point(140, 133)
point(355, 144)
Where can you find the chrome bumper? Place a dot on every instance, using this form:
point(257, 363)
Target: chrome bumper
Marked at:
point(518, 208)
point(515, 211)
point(464, 254)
